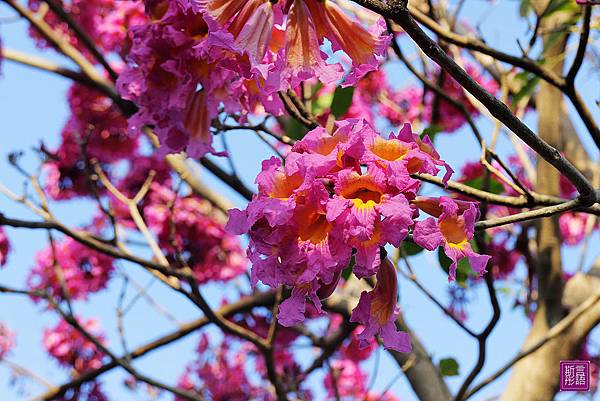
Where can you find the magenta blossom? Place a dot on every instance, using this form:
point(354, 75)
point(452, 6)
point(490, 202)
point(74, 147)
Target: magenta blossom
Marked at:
point(338, 196)
point(219, 373)
point(349, 381)
point(7, 340)
point(198, 239)
point(573, 226)
point(71, 266)
point(280, 42)
point(4, 247)
point(453, 230)
point(377, 310)
point(71, 348)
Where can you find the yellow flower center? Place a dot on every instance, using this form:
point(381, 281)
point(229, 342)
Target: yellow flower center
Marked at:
point(389, 149)
point(454, 231)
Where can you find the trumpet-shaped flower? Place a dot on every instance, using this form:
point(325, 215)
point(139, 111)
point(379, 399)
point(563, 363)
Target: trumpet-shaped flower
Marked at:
point(452, 230)
point(377, 310)
point(337, 197)
point(294, 32)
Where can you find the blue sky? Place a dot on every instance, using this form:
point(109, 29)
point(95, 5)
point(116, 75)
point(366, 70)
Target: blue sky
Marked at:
point(33, 109)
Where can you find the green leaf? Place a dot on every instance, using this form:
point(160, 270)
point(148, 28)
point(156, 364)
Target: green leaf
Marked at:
point(342, 99)
point(322, 103)
point(560, 5)
point(410, 248)
point(531, 82)
point(348, 270)
point(494, 186)
point(553, 38)
point(525, 8)
point(431, 131)
point(294, 129)
point(449, 367)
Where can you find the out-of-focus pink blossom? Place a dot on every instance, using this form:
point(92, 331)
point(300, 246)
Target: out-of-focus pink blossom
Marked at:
point(4, 247)
point(71, 348)
point(573, 226)
point(189, 230)
point(104, 21)
point(95, 130)
point(68, 264)
point(346, 379)
point(449, 118)
point(219, 373)
point(7, 340)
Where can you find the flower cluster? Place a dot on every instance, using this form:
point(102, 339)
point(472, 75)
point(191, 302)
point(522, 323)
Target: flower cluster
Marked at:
point(104, 21)
point(343, 196)
point(4, 247)
point(70, 266)
point(97, 130)
point(193, 59)
point(413, 104)
point(281, 43)
point(71, 348)
point(188, 231)
point(222, 376)
point(7, 340)
point(346, 381)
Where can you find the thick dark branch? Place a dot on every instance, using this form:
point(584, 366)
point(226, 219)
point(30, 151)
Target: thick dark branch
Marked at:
point(496, 107)
point(583, 41)
point(232, 180)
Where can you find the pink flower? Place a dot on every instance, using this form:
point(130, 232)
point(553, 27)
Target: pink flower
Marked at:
point(177, 88)
point(573, 227)
point(7, 340)
point(377, 310)
point(81, 270)
point(336, 195)
point(369, 215)
point(453, 230)
point(4, 247)
point(219, 373)
point(198, 237)
point(95, 130)
point(349, 380)
point(105, 21)
point(71, 348)
point(256, 32)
